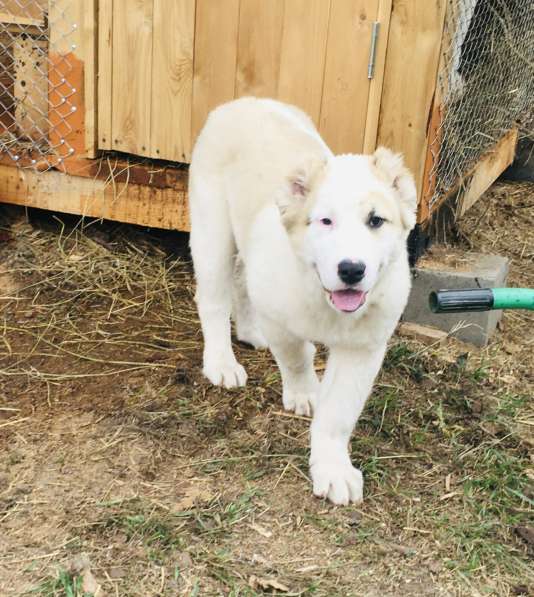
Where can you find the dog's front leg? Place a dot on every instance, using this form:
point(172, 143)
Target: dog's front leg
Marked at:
point(346, 384)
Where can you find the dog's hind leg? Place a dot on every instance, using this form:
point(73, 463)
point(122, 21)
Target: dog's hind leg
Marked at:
point(294, 358)
point(213, 252)
point(247, 324)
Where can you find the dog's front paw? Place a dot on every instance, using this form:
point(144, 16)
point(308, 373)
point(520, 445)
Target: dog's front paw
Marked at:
point(302, 403)
point(338, 481)
point(225, 372)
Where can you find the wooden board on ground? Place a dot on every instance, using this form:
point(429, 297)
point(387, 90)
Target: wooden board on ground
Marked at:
point(422, 333)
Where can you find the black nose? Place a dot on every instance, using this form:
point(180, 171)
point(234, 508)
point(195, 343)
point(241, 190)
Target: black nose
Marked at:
point(351, 272)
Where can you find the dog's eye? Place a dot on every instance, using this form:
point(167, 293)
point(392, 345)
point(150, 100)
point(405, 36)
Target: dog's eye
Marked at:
point(326, 221)
point(375, 221)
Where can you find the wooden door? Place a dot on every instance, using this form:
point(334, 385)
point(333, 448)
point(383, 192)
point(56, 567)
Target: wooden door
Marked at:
point(312, 53)
point(164, 64)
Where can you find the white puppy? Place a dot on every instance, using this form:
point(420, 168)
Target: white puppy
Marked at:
point(301, 246)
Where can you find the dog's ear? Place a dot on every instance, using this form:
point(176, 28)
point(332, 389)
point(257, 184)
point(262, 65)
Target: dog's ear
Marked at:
point(299, 184)
point(391, 167)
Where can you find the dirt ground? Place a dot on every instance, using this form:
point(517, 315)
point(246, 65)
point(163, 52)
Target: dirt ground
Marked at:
point(124, 473)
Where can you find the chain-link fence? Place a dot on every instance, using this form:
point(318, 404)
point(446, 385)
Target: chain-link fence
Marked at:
point(37, 99)
point(486, 84)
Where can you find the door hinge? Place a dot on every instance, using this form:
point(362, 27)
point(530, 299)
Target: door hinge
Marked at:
point(372, 51)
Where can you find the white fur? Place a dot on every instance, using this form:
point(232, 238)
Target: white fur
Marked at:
point(262, 181)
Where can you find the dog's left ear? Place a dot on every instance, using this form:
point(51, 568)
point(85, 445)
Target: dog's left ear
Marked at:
point(391, 167)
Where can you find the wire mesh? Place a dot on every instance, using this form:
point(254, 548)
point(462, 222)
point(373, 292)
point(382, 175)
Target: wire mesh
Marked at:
point(37, 100)
point(486, 84)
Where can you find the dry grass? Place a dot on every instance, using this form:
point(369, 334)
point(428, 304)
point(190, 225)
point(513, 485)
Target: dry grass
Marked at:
point(115, 447)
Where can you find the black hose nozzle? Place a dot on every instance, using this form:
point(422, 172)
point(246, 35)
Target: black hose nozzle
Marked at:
point(454, 301)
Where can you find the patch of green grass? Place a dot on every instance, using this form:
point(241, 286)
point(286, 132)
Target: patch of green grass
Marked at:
point(220, 517)
point(397, 354)
point(494, 503)
point(401, 358)
point(160, 534)
point(222, 567)
point(381, 412)
point(496, 476)
point(480, 373)
point(65, 585)
point(375, 469)
point(510, 405)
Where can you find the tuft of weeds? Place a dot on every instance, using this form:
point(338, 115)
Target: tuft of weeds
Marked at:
point(158, 532)
point(66, 584)
point(220, 516)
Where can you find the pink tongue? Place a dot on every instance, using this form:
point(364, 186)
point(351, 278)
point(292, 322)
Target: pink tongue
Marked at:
point(348, 300)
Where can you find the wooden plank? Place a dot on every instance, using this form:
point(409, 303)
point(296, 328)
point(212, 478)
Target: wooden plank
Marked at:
point(30, 87)
point(129, 169)
point(24, 13)
point(88, 50)
point(216, 31)
point(132, 75)
point(410, 79)
point(172, 79)
point(7, 18)
point(487, 170)
point(259, 45)
point(376, 84)
point(135, 204)
point(346, 86)
point(34, 30)
point(480, 177)
point(302, 56)
point(105, 73)
point(421, 333)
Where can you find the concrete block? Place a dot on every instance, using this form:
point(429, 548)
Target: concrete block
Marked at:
point(444, 269)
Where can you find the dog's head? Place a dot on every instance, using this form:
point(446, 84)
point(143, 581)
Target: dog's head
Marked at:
point(348, 217)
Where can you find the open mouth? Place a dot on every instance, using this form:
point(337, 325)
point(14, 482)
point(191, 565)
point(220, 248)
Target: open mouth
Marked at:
point(348, 300)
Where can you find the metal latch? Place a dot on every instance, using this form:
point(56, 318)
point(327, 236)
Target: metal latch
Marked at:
point(372, 52)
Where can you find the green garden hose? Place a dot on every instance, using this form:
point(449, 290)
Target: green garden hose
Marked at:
point(481, 299)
